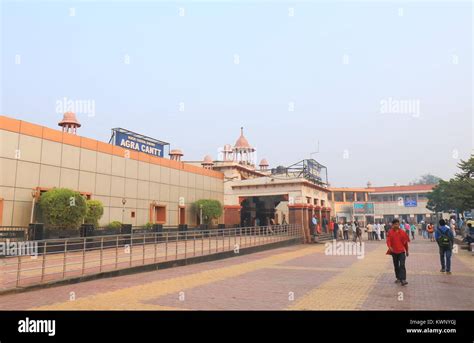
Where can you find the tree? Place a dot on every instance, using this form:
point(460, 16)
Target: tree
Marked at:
point(457, 194)
point(94, 212)
point(467, 169)
point(439, 200)
point(63, 207)
point(115, 225)
point(211, 209)
point(427, 179)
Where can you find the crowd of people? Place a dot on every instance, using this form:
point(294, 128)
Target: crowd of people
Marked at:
point(378, 231)
point(398, 234)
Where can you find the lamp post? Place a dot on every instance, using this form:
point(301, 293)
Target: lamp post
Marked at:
point(33, 194)
point(200, 214)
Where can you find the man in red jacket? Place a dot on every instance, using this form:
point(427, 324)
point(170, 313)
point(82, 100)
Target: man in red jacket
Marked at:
point(397, 242)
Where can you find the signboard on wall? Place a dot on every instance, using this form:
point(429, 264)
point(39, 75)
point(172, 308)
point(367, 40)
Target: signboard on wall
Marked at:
point(410, 203)
point(133, 141)
point(363, 208)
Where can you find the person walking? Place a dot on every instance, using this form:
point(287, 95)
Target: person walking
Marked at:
point(424, 234)
point(369, 232)
point(358, 234)
point(341, 230)
point(345, 230)
point(336, 230)
point(407, 229)
point(445, 239)
point(354, 231)
point(430, 230)
point(452, 225)
point(377, 231)
point(387, 227)
point(413, 230)
point(314, 227)
point(397, 243)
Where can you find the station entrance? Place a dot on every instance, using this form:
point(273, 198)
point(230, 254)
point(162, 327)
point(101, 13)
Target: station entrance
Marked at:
point(264, 210)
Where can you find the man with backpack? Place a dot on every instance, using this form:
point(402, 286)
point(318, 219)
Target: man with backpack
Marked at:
point(445, 238)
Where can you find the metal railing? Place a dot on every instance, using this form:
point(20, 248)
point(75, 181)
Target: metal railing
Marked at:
point(59, 259)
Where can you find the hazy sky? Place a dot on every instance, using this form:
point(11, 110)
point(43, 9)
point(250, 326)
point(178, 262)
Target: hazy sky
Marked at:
point(386, 87)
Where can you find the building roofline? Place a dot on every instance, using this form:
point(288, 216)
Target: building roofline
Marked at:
point(46, 133)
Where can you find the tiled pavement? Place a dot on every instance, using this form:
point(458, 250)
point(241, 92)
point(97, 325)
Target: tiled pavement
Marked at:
point(296, 277)
point(76, 263)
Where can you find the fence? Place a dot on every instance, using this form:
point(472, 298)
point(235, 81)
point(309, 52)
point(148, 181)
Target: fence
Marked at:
point(59, 259)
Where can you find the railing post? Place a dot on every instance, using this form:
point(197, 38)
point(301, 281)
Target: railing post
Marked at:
point(18, 270)
point(166, 247)
point(202, 243)
point(194, 244)
point(177, 233)
point(64, 258)
point(101, 253)
point(154, 257)
point(240, 237)
point(185, 245)
point(131, 249)
point(44, 260)
point(84, 246)
point(144, 246)
point(116, 251)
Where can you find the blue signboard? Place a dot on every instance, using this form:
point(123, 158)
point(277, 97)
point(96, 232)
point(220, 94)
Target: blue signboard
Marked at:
point(363, 208)
point(410, 203)
point(133, 141)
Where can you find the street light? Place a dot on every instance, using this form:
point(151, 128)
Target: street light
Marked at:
point(200, 214)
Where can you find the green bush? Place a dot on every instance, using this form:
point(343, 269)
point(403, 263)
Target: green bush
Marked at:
point(94, 212)
point(114, 225)
point(211, 209)
point(148, 225)
point(63, 207)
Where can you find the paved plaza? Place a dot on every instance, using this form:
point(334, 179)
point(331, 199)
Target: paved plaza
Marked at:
point(300, 277)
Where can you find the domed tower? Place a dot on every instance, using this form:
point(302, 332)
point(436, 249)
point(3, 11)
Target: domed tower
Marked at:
point(69, 123)
point(176, 155)
point(369, 184)
point(243, 151)
point(208, 162)
point(263, 165)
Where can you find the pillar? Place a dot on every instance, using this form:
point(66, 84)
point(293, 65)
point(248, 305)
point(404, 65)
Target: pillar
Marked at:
point(298, 215)
point(232, 215)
